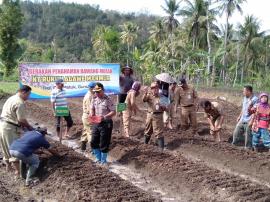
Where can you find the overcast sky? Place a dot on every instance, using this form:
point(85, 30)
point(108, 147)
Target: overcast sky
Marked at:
point(259, 8)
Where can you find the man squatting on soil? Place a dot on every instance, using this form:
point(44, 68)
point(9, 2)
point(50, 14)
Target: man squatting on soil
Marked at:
point(215, 117)
point(102, 111)
point(24, 148)
point(86, 133)
point(58, 99)
point(242, 128)
point(131, 106)
point(12, 119)
point(154, 121)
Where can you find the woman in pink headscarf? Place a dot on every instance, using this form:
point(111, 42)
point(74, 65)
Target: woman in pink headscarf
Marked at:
point(131, 106)
point(260, 123)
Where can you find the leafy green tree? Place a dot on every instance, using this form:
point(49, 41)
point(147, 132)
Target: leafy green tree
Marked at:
point(11, 20)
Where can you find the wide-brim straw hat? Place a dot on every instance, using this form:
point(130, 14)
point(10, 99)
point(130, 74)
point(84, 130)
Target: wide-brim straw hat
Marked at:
point(127, 67)
point(165, 77)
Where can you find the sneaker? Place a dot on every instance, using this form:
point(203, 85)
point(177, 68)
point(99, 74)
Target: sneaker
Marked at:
point(32, 182)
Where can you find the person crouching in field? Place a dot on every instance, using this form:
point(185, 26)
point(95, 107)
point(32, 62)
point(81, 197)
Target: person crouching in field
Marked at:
point(260, 123)
point(131, 106)
point(215, 117)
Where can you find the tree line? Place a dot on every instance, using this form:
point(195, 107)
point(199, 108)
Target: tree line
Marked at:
point(197, 47)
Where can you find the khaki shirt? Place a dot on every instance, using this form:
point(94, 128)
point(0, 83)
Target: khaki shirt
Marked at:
point(152, 102)
point(14, 109)
point(102, 106)
point(131, 98)
point(215, 112)
point(86, 104)
point(186, 98)
point(172, 95)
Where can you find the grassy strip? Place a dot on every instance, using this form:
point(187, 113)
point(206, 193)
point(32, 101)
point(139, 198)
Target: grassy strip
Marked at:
point(8, 88)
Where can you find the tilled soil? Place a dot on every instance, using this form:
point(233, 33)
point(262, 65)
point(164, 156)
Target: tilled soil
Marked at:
point(201, 170)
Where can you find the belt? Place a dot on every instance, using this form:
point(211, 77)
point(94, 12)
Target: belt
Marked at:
point(188, 106)
point(155, 112)
point(9, 122)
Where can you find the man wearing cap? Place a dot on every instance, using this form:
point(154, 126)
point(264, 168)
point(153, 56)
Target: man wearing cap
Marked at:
point(126, 81)
point(131, 106)
point(13, 117)
point(24, 148)
point(58, 99)
point(187, 97)
point(154, 120)
point(102, 111)
point(86, 134)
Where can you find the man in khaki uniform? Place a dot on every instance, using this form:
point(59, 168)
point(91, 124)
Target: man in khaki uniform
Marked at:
point(187, 97)
point(13, 117)
point(131, 106)
point(154, 120)
point(168, 121)
point(86, 133)
point(215, 117)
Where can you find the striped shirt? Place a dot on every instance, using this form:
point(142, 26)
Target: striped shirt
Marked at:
point(59, 98)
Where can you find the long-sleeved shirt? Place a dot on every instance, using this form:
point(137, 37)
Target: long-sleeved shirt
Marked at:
point(86, 104)
point(29, 143)
point(187, 97)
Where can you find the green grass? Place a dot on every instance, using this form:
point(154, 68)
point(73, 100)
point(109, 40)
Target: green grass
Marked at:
point(8, 87)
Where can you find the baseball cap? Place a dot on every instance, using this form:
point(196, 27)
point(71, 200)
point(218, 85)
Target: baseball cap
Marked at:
point(91, 84)
point(98, 87)
point(59, 81)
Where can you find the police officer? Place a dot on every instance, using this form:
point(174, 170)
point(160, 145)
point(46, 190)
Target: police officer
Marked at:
point(86, 134)
point(102, 111)
point(187, 97)
point(154, 120)
point(12, 117)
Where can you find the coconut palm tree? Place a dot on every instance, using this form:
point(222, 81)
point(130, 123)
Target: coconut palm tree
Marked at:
point(170, 21)
point(129, 35)
point(228, 7)
point(251, 40)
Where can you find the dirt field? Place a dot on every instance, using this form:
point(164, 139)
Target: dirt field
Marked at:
point(185, 171)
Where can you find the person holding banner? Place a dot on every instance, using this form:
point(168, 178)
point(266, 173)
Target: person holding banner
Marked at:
point(12, 118)
point(102, 111)
point(86, 134)
point(126, 81)
point(154, 120)
point(58, 100)
point(131, 106)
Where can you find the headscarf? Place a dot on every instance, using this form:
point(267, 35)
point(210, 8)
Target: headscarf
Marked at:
point(264, 104)
point(136, 86)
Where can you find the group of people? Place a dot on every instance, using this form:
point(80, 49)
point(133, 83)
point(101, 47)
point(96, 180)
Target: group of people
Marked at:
point(16, 147)
point(163, 97)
